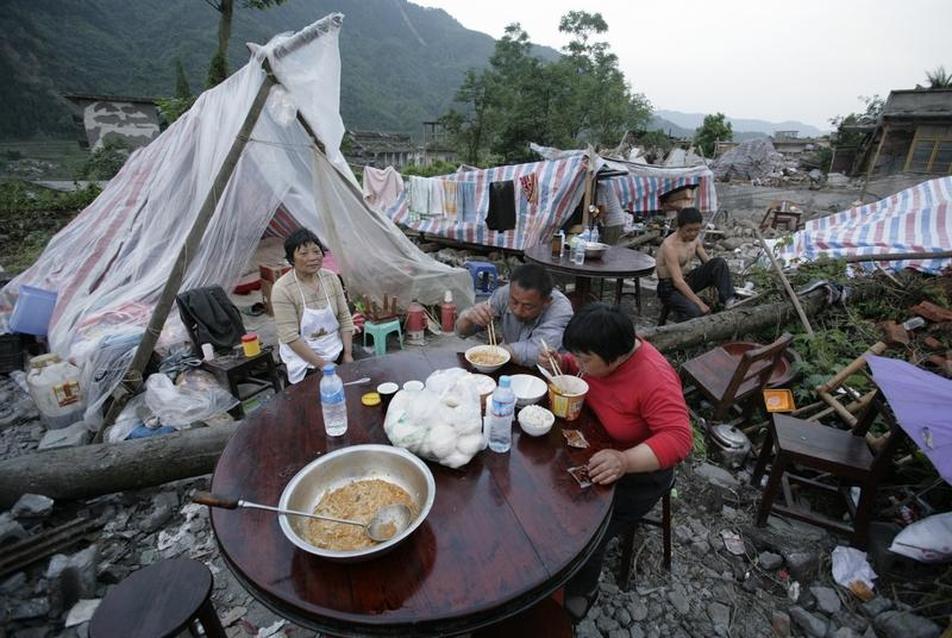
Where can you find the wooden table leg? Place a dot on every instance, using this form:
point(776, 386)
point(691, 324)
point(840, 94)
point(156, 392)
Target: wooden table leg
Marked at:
point(619, 286)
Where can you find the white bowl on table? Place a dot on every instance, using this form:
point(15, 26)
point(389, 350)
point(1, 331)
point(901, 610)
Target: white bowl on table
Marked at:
point(501, 356)
point(527, 388)
point(535, 420)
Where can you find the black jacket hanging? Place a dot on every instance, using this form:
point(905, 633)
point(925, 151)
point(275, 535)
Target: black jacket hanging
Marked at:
point(502, 206)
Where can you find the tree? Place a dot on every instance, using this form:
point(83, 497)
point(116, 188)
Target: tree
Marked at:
point(171, 108)
point(218, 69)
point(848, 126)
point(939, 78)
point(469, 129)
point(713, 129)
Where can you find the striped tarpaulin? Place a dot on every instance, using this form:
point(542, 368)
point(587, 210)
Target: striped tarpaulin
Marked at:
point(918, 219)
point(561, 185)
point(640, 193)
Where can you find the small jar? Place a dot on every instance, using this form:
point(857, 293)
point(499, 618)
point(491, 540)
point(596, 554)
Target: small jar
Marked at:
point(556, 246)
point(251, 345)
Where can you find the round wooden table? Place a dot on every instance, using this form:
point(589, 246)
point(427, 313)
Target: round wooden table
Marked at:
point(505, 531)
point(617, 263)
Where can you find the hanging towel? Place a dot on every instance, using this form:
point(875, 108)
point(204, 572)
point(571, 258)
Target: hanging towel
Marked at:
point(419, 195)
point(435, 187)
point(450, 202)
point(466, 202)
point(530, 187)
point(502, 206)
point(381, 187)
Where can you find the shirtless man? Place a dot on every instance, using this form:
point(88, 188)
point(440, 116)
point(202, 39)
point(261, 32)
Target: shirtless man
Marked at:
point(679, 291)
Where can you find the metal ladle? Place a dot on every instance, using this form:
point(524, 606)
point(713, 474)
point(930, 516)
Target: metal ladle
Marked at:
point(387, 522)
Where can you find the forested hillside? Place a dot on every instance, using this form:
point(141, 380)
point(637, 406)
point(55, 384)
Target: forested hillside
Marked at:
point(402, 63)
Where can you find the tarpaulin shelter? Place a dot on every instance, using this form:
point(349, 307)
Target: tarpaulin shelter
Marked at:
point(546, 193)
point(641, 185)
point(192, 206)
point(913, 222)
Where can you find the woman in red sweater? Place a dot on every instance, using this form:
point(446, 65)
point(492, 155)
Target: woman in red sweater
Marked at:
point(637, 397)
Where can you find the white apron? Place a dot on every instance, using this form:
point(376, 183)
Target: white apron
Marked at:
point(327, 344)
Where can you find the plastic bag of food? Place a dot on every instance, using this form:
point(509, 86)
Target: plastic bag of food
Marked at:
point(180, 406)
point(443, 426)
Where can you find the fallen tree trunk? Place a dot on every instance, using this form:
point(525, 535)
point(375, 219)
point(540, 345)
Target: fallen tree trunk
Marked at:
point(103, 468)
point(730, 324)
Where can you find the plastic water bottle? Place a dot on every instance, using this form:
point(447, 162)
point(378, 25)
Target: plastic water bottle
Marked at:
point(333, 402)
point(502, 407)
point(594, 237)
point(578, 252)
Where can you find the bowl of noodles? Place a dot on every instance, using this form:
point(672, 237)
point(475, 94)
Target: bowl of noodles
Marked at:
point(487, 359)
point(353, 483)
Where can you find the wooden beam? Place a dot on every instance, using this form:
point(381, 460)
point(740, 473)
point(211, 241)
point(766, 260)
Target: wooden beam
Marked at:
point(872, 164)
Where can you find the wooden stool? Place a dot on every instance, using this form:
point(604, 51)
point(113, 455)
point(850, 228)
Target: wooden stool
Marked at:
point(160, 600)
point(236, 368)
point(628, 539)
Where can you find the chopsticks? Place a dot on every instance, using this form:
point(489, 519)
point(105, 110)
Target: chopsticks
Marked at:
point(552, 361)
point(491, 330)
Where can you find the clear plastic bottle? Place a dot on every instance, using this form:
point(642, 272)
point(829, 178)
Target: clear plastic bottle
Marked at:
point(333, 402)
point(502, 407)
point(594, 237)
point(578, 252)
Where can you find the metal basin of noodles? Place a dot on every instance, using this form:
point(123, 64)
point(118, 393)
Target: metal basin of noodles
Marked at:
point(335, 470)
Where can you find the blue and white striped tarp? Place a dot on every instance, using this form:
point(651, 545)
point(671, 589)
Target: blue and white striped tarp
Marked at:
point(916, 220)
point(561, 184)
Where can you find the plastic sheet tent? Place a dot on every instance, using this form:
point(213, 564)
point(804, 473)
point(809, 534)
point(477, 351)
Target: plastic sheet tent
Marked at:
point(109, 265)
point(916, 220)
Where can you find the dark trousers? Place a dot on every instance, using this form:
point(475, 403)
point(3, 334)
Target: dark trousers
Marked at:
point(714, 272)
point(635, 495)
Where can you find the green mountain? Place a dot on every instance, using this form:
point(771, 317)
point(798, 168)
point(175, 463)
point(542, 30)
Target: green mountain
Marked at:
point(401, 63)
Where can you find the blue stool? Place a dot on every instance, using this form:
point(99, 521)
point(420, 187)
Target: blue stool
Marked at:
point(485, 277)
point(380, 331)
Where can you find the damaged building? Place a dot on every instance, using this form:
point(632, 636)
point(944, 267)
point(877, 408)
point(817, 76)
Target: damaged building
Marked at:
point(913, 135)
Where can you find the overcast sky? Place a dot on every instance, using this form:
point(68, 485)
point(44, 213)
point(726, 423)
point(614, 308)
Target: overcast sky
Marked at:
point(804, 60)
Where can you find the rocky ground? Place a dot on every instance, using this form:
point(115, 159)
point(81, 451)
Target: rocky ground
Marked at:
point(776, 582)
point(779, 583)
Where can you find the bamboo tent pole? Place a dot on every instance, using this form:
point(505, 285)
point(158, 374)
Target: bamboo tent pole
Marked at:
point(132, 380)
point(786, 284)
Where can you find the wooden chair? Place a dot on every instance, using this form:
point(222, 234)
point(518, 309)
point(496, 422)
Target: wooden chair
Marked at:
point(844, 454)
point(628, 539)
point(726, 380)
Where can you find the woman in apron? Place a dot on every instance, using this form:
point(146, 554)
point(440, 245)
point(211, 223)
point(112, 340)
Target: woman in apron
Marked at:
point(310, 310)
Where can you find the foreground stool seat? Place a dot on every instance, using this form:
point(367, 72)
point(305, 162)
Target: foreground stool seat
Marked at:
point(161, 600)
point(628, 539)
point(380, 332)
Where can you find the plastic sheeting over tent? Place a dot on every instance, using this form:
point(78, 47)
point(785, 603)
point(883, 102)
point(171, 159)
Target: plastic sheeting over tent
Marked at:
point(110, 264)
point(916, 220)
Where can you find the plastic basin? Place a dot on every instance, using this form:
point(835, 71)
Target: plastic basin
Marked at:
point(32, 312)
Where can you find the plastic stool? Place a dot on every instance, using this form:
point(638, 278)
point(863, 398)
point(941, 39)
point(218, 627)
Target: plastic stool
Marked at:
point(160, 600)
point(380, 331)
point(477, 270)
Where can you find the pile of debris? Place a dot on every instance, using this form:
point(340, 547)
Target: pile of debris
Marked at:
point(755, 159)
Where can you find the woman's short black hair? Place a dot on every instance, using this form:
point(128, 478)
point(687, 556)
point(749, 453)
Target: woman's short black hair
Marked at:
point(533, 277)
point(297, 239)
point(600, 329)
point(689, 215)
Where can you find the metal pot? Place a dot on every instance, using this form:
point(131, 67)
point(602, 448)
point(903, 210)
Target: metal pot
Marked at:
point(733, 445)
point(338, 468)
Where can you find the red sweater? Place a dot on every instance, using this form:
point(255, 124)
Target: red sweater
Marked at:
point(642, 402)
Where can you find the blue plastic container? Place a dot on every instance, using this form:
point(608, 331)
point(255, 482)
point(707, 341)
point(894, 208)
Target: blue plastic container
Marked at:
point(32, 312)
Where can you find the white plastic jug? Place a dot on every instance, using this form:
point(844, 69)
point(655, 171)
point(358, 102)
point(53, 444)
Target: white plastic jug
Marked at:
point(54, 386)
